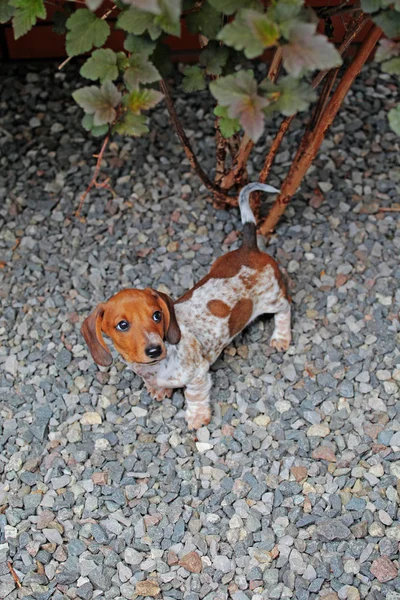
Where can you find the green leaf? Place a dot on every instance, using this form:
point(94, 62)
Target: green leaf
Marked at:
point(387, 49)
point(239, 94)
point(168, 25)
point(151, 6)
point(394, 119)
point(94, 4)
point(26, 14)
point(393, 3)
point(85, 31)
point(251, 32)
point(389, 21)
point(287, 13)
point(132, 125)
point(206, 21)
point(137, 22)
point(392, 66)
point(140, 70)
point(171, 9)
point(227, 126)
point(97, 131)
point(101, 65)
point(193, 79)
point(289, 96)
point(214, 57)
point(371, 6)
point(143, 99)
point(139, 44)
point(122, 61)
point(228, 7)
point(99, 102)
point(6, 11)
point(308, 50)
point(87, 122)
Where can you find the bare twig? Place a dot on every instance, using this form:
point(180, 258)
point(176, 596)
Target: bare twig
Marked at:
point(14, 575)
point(324, 97)
point(221, 198)
point(352, 33)
point(93, 182)
point(220, 154)
point(389, 209)
point(342, 9)
point(274, 149)
point(304, 159)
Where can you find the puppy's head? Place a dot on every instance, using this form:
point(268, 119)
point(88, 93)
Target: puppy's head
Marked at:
point(138, 323)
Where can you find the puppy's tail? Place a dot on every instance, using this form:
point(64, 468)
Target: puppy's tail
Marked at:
point(248, 219)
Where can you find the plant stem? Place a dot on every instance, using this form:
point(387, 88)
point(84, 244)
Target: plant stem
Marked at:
point(220, 197)
point(304, 159)
point(246, 145)
point(220, 154)
point(352, 33)
point(93, 181)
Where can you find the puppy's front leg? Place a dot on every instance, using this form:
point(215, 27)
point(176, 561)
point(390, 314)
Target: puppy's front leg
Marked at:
point(158, 394)
point(197, 394)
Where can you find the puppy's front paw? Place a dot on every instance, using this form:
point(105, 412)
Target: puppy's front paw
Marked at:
point(198, 419)
point(280, 343)
point(159, 393)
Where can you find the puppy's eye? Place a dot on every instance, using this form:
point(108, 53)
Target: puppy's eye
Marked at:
point(157, 316)
point(122, 326)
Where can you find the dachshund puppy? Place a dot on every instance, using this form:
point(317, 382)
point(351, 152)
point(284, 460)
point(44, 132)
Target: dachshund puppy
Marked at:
point(172, 344)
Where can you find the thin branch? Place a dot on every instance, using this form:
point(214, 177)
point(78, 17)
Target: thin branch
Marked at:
point(324, 97)
point(303, 159)
point(14, 575)
point(341, 9)
point(93, 182)
point(264, 174)
point(357, 27)
point(220, 154)
point(389, 209)
point(218, 194)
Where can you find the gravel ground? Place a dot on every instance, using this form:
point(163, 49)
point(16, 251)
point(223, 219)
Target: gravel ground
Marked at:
point(293, 489)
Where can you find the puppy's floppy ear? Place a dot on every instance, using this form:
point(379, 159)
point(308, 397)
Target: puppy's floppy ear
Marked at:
point(172, 332)
point(91, 331)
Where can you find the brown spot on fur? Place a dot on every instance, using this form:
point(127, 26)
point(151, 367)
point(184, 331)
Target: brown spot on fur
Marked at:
point(249, 280)
point(218, 308)
point(229, 265)
point(240, 316)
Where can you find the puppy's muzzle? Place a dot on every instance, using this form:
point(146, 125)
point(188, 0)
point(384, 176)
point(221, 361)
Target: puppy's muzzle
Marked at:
point(153, 351)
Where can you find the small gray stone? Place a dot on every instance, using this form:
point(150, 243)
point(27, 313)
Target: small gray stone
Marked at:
point(132, 556)
point(222, 563)
point(333, 530)
point(63, 358)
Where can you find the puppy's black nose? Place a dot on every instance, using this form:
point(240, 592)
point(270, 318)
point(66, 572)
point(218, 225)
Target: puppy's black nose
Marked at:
point(153, 351)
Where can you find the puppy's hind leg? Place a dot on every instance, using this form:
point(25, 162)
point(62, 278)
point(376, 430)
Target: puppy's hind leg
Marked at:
point(282, 336)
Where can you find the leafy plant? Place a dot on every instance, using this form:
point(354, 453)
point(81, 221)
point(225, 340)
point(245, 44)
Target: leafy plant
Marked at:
point(234, 34)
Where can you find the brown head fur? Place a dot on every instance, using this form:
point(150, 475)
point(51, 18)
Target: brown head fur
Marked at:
point(137, 307)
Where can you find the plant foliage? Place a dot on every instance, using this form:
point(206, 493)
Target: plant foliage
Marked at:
point(233, 32)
